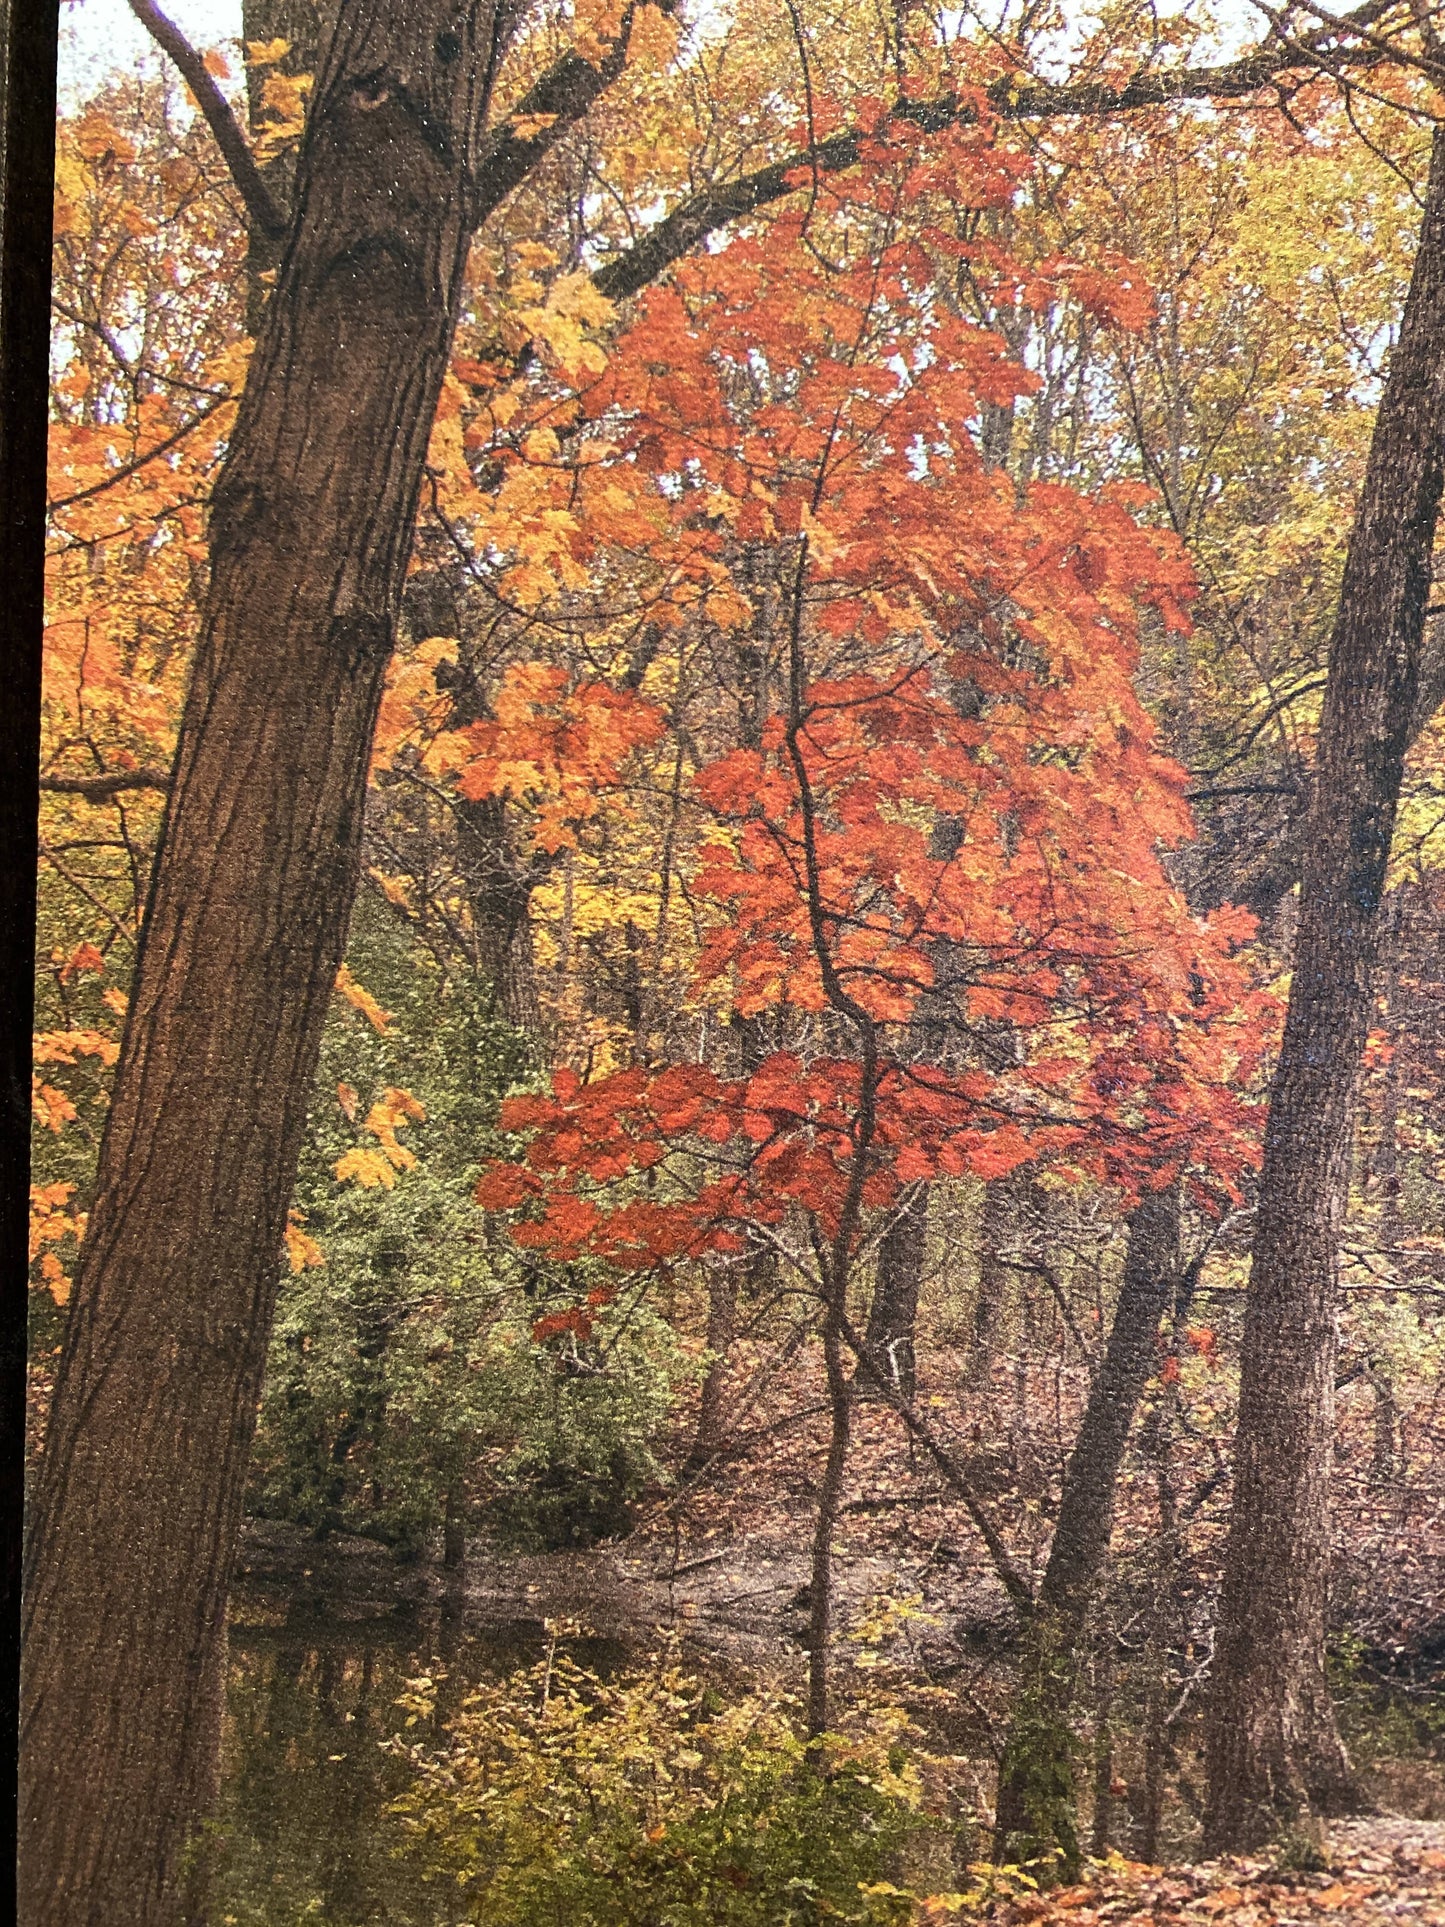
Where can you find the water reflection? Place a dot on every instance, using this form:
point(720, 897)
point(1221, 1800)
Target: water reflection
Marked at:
point(303, 1834)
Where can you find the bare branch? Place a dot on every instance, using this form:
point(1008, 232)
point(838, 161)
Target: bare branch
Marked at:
point(703, 214)
point(219, 118)
point(101, 789)
point(1013, 1581)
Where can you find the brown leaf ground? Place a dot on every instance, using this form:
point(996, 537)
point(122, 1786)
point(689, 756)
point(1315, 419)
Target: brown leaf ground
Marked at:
point(1378, 1870)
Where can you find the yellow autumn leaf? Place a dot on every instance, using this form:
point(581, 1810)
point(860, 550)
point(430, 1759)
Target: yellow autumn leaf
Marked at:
point(366, 1168)
point(52, 1108)
point(301, 1248)
point(57, 1279)
point(361, 1000)
point(528, 126)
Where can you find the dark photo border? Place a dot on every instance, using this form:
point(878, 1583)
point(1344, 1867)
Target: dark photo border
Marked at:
point(28, 44)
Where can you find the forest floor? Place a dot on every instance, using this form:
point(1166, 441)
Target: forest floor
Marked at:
point(721, 1562)
point(1377, 1870)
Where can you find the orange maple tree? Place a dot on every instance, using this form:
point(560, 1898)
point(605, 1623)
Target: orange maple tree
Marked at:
point(938, 871)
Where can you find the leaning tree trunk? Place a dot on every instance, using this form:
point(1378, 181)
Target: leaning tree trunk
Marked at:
point(1036, 1806)
point(1273, 1747)
point(139, 1494)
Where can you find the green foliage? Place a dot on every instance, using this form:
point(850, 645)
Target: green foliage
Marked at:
point(1302, 1847)
point(1038, 1764)
point(404, 1382)
point(643, 1802)
point(1385, 1714)
point(580, 1417)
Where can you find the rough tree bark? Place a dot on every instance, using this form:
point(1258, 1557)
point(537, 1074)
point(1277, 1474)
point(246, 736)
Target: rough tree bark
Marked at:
point(1035, 1810)
point(138, 1497)
point(1274, 1751)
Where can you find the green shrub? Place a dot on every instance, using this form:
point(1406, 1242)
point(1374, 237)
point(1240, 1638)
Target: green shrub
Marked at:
point(404, 1383)
point(642, 1802)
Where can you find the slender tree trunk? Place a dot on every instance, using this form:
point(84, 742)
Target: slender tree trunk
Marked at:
point(454, 1528)
point(497, 874)
point(139, 1494)
point(998, 1227)
point(1385, 1425)
point(1273, 1745)
point(725, 1285)
point(500, 881)
point(893, 1313)
point(830, 1497)
point(722, 1315)
point(1037, 1801)
point(1163, 1620)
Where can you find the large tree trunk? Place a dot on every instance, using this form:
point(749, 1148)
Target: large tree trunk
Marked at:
point(1273, 1746)
point(1036, 1792)
point(139, 1494)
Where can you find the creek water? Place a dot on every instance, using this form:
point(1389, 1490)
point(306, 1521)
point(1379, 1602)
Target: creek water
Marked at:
point(303, 1833)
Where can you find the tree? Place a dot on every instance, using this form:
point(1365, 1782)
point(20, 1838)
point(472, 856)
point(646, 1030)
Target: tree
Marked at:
point(1274, 1749)
point(967, 949)
point(256, 873)
point(1036, 1803)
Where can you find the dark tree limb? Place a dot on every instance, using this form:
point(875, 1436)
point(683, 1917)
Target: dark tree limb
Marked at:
point(138, 462)
point(716, 207)
point(560, 98)
point(1013, 1581)
point(222, 122)
point(101, 789)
